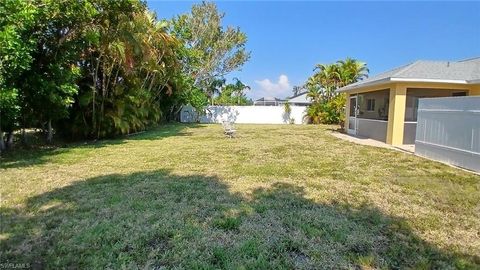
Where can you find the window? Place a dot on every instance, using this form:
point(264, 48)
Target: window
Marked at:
point(371, 104)
point(459, 94)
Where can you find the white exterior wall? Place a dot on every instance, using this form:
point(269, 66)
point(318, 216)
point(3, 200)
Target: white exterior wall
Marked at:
point(245, 114)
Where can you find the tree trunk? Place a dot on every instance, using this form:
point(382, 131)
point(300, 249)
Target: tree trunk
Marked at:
point(10, 140)
point(24, 135)
point(102, 104)
point(2, 142)
point(94, 91)
point(49, 132)
point(176, 115)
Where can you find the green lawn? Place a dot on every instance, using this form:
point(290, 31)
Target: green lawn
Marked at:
point(184, 196)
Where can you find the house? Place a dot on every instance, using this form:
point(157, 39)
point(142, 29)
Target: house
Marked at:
point(384, 107)
point(268, 101)
point(300, 100)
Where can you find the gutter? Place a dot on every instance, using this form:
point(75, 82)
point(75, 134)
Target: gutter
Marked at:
point(391, 80)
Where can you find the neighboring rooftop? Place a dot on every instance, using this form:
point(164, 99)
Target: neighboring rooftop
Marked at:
point(269, 99)
point(464, 71)
point(300, 98)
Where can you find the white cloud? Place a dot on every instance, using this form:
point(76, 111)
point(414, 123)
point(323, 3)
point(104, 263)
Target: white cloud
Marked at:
point(267, 88)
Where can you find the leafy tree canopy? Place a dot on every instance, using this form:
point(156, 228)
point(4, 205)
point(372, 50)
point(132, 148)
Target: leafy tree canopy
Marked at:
point(210, 50)
point(233, 94)
point(328, 105)
point(98, 68)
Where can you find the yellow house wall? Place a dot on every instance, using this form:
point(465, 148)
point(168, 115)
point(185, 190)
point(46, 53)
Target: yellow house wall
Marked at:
point(398, 94)
point(475, 90)
point(396, 114)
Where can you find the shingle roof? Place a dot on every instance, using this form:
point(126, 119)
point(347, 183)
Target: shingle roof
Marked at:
point(269, 99)
point(465, 71)
point(299, 94)
point(300, 98)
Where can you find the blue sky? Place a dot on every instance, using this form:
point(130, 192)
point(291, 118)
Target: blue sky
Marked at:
point(288, 38)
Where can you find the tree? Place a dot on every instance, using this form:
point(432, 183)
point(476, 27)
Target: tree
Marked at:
point(9, 111)
point(214, 88)
point(313, 89)
point(328, 78)
point(131, 70)
point(238, 89)
point(46, 89)
point(328, 105)
point(351, 71)
point(99, 68)
point(16, 46)
point(287, 111)
point(232, 94)
point(95, 67)
point(297, 89)
point(210, 50)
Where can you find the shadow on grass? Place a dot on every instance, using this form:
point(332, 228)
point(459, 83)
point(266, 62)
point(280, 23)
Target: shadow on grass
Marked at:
point(27, 157)
point(162, 220)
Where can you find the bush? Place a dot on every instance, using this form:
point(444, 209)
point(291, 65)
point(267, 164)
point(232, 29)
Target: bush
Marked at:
point(330, 111)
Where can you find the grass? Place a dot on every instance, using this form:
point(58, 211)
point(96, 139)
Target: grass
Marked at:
point(275, 197)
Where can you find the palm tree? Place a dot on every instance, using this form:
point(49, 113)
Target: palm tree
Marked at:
point(351, 70)
point(297, 90)
point(132, 65)
point(313, 89)
point(333, 76)
point(214, 87)
point(238, 88)
point(328, 77)
point(328, 105)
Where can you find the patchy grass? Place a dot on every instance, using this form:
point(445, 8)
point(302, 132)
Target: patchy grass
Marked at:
point(281, 197)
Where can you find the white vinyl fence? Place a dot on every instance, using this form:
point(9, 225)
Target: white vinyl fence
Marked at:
point(448, 130)
point(244, 114)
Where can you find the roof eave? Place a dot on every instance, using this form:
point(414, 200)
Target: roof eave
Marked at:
point(363, 85)
point(389, 80)
point(477, 81)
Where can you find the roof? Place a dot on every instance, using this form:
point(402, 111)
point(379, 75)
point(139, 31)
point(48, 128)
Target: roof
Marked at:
point(464, 72)
point(300, 98)
point(299, 94)
point(269, 99)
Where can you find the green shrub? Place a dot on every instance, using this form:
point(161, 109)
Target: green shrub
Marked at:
point(330, 111)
